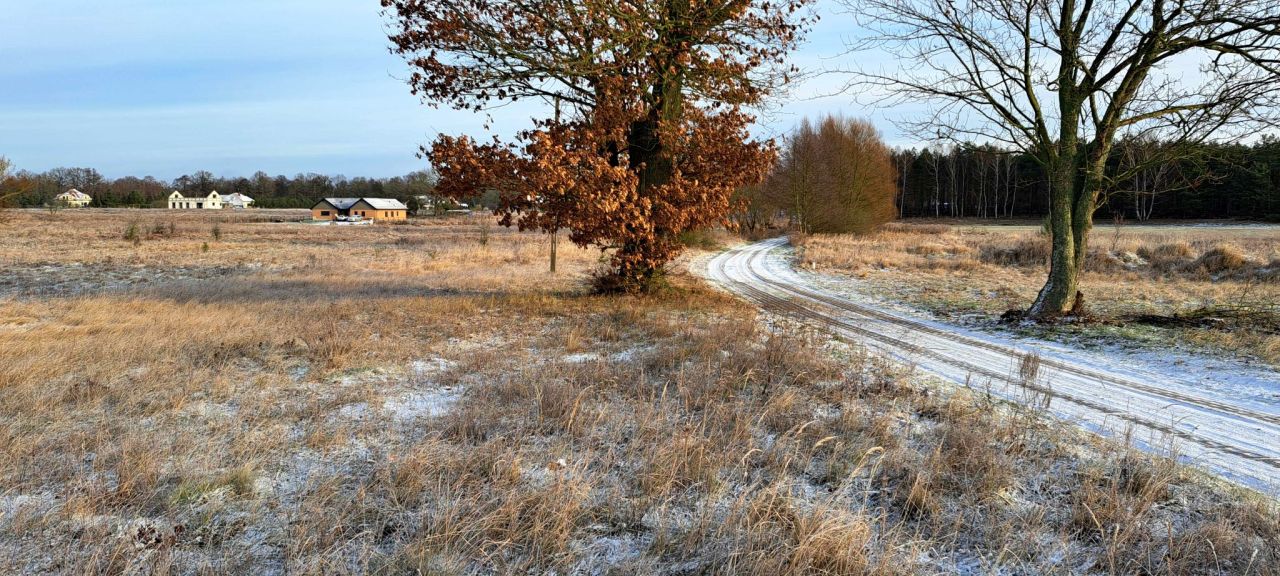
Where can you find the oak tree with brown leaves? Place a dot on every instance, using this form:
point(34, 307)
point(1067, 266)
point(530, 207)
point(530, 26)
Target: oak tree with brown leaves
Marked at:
point(654, 139)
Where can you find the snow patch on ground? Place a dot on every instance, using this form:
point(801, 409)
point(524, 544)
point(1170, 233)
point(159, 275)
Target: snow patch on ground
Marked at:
point(1218, 413)
point(622, 356)
point(1251, 383)
point(629, 354)
point(430, 366)
point(604, 552)
point(414, 405)
point(355, 411)
point(404, 400)
point(581, 357)
point(304, 469)
point(12, 506)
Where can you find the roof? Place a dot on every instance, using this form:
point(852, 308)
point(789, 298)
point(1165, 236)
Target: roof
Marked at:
point(237, 197)
point(73, 193)
point(178, 195)
point(375, 203)
point(339, 203)
point(385, 204)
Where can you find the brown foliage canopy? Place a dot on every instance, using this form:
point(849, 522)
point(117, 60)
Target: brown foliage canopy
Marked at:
point(653, 140)
point(836, 176)
point(10, 185)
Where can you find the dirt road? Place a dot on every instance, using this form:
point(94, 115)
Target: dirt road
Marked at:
point(1223, 420)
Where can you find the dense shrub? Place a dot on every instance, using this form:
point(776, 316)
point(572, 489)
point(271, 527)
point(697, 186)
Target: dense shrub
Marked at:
point(1221, 258)
point(1026, 251)
point(834, 177)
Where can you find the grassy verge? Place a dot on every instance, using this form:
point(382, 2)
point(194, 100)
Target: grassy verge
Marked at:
point(1208, 288)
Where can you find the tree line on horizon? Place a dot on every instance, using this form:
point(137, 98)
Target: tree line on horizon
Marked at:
point(1206, 181)
point(38, 189)
point(1200, 181)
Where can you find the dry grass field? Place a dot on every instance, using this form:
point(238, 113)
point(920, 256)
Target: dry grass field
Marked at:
point(1215, 287)
point(224, 393)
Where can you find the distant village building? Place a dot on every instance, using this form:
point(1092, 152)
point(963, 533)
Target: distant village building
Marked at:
point(73, 199)
point(237, 201)
point(439, 205)
point(179, 202)
point(425, 203)
point(359, 208)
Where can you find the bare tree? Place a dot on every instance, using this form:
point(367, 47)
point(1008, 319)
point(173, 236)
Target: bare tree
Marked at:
point(1011, 188)
point(935, 157)
point(1151, 172)
point(835, 176)
point(1063, 80)
point(793, 184)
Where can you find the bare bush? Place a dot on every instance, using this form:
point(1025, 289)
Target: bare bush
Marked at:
point(1168, 256)
point(1221, 258)
point(1027, 251)
point(835, 177)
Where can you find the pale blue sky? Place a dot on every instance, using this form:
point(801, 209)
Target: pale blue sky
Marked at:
point(168, 87)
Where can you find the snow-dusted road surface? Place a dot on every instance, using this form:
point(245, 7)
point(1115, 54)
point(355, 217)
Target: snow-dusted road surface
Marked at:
point(1226, 421)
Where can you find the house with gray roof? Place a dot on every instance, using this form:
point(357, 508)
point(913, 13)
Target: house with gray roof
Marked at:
point(359, 209)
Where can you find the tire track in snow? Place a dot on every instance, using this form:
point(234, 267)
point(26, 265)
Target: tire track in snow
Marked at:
point(1238, 441)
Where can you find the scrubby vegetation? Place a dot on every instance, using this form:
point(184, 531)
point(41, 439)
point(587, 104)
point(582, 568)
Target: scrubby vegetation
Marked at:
point(405, 399)
point(835, 176)
point(1216, 287)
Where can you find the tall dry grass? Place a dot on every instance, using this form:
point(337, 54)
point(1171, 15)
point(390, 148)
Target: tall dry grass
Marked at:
point(1229, 275)
point(467, 413)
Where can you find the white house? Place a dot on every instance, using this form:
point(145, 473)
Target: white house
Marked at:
point(237, 201)
point(73, 199)
point(179, 202)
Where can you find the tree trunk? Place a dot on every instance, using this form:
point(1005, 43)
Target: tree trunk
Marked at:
point(555, 241)
point(1062, 162)
point(655, 167)
point(1058, 293)
point(1073, 197)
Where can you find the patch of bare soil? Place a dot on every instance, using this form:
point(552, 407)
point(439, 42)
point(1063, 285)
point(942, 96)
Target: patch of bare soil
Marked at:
point(1260, 319)
point(58, 279)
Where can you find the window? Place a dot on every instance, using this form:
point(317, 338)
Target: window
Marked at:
point(324, 212)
